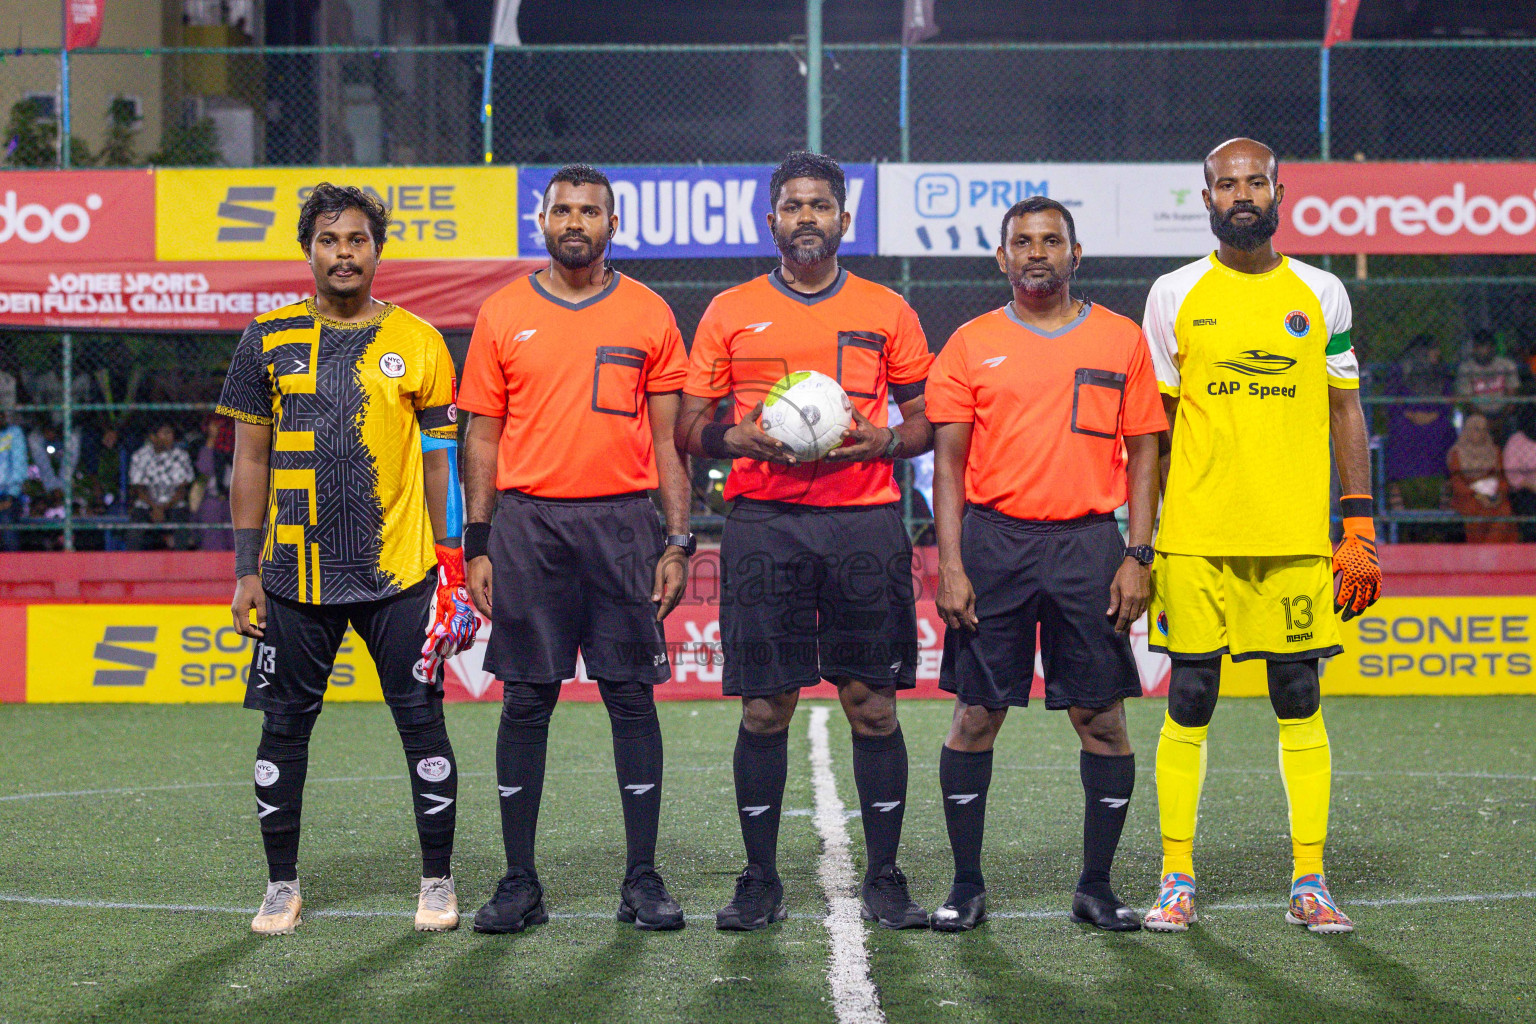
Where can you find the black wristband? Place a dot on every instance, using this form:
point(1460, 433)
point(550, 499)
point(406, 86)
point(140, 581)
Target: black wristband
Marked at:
point(248, 552)
point(475, 537)
point(713, 440)
point(1356, 506)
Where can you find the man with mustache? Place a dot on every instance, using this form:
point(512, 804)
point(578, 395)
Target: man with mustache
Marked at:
point(1253, 355)
point(1046, 419)
point(573, 375)
point(816, 564)
point(343, 476)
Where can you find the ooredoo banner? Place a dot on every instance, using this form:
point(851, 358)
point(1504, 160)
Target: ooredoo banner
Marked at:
point(225, 296)
point(76, 216)
point(1408, 208)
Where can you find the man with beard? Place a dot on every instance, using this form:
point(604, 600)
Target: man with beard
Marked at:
point(573, 375)
point(816, 564)
point(1253, 356)
point(1046, 419)
point(342, 477)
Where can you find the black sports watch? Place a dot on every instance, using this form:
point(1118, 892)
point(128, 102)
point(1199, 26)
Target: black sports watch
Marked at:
point(1143, 553)
point(687, 541)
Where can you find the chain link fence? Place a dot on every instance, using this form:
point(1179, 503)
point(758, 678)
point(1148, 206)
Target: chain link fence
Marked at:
point(746, 104)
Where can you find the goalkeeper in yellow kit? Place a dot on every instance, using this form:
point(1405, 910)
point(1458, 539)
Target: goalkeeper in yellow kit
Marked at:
point(1253, 355)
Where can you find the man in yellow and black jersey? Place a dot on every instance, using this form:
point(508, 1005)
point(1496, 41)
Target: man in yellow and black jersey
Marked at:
point(343, 477)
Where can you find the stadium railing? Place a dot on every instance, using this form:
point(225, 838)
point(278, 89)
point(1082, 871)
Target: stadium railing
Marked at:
point(1433, 100)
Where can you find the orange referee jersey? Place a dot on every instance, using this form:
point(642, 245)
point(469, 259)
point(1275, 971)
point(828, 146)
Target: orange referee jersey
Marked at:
point(1048, 410)
point(859, 333)
point(571, 378)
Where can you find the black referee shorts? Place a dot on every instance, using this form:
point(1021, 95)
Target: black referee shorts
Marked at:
point(1054, 575)
point(814, 592)
point(575, 574)
point(292, 662)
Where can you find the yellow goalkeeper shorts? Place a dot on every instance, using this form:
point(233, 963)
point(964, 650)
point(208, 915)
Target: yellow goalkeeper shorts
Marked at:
point(1277, 608)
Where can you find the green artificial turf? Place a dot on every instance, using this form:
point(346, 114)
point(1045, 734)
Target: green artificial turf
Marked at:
point(1434, 798)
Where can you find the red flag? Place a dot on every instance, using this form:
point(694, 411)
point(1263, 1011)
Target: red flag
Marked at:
point(82, 22)
point(1341, 21)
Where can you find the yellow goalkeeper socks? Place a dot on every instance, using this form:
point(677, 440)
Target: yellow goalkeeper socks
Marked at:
point(1180, 773)
point(1306, 767)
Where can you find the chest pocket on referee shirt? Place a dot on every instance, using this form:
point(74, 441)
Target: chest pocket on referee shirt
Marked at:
point(1096, 396)
point(616, 380)
point(860, 362)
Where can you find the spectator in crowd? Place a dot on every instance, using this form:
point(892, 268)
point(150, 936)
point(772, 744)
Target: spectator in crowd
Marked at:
point(1487, 377)
point(1419, 436)
point(1520, 468)
point(1478, 487)
point(158, 476)
point(54, 461)
point(13, 475)
point(218, 452)
point(103, 472)
point(7, 390)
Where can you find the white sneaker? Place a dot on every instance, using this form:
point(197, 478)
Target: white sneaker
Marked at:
point(279, 913)
point(437, 908)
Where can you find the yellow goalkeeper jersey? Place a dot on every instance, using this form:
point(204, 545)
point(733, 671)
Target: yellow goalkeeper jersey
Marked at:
point(1251, 358)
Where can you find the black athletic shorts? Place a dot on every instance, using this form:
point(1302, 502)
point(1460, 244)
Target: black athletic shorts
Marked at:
point(813, 592)
point(575, 574)
point(292, 661)
point(1055, 575)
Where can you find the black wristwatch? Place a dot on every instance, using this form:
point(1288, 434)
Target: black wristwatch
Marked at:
point(1143, 553)
point(687, 541)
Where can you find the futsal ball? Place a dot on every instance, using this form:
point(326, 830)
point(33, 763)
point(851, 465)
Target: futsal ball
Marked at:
point(808, 411)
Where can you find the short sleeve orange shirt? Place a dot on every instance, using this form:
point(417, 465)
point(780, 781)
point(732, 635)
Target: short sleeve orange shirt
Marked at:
point(859, 333)
point(571, 380)
point(1048, 410)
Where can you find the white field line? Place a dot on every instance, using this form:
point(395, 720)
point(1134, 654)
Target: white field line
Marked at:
point(853, 992)
point(196, 908)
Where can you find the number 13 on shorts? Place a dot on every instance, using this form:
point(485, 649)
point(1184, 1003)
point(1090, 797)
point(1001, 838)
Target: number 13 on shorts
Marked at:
point(1246, 606)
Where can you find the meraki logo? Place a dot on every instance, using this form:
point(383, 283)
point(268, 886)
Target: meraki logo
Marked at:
point(1255, 362)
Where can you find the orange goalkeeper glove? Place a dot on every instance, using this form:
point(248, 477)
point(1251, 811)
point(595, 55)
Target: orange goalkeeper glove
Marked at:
point(1355, 561)
point(454, 622)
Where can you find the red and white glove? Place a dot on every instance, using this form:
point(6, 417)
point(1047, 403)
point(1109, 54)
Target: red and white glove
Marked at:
point(454, 620)
point(1355, 562)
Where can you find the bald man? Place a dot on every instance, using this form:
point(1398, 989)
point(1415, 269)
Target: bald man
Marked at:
point(1253, 356)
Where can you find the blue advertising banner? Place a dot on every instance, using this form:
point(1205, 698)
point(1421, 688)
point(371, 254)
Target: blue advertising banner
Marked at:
point(711, 210)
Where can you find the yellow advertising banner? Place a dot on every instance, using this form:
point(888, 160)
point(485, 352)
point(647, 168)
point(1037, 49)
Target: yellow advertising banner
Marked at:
point(1450, 646)
point(158, 654)
point(253, 213)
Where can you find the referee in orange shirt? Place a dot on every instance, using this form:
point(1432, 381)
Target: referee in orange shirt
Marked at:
point(573, 376)
point(1046, 414)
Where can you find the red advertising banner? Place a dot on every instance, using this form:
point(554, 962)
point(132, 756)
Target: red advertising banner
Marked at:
point(76, 216)
point(693, 644)
point(1408, 208)
point(224, 296)
point(82, 22)
point(1341, 21)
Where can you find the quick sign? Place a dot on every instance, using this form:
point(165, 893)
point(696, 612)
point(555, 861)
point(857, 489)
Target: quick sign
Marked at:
point(719, 210)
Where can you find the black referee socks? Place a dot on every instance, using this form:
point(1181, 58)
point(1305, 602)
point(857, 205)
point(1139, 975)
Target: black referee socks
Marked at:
point(434, 783)
point(637, 759)
point(522, 741)
point(963, 780)
point(1107, 785)
point(761, 763)
point(880, 773)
